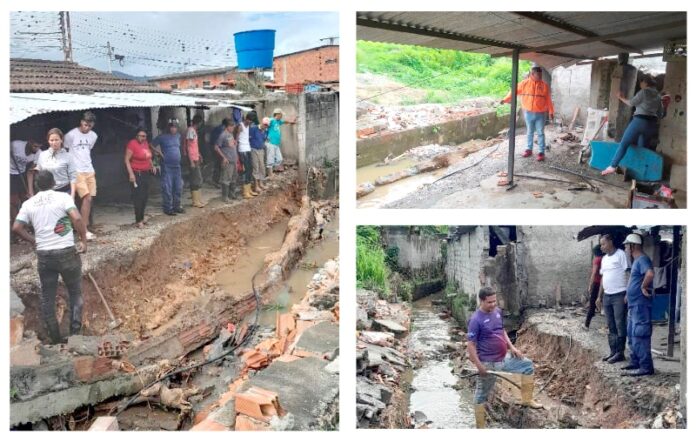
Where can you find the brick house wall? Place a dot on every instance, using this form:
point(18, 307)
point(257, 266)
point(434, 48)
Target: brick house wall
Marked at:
point(316, 64)
point(194, 82)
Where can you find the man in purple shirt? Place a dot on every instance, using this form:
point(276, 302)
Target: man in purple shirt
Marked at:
point(488, 345)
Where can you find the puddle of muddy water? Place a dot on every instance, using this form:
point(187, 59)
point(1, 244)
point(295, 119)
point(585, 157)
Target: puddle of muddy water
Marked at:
point(295, 287)
point(237, 278)
point(434, 388)
point(391, 192)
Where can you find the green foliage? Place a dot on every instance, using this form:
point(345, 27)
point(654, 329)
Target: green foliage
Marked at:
point(392, 257)
point(448, 76)
point(371, 269)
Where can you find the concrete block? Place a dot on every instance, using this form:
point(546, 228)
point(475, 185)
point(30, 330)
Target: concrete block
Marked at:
point(105, 423)
point(16, 330)
point(677, 177)
point(25, 354)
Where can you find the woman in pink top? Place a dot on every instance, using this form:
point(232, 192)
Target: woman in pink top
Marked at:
point(138, 161)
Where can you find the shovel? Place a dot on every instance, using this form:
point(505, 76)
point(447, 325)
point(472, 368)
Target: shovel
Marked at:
point(115, 323)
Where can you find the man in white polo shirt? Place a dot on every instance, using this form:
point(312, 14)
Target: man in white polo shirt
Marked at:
point(79, 143)
point(614, 271)
point(53, 216)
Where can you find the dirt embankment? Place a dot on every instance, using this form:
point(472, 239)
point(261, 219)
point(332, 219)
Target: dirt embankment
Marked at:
point(146, 286)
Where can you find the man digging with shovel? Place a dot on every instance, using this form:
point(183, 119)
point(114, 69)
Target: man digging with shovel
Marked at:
point(488, 345)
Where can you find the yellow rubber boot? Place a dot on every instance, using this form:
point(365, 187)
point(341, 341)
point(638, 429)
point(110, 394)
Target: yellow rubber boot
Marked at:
point(480, 415)
point(196, 198)
point(251, 190)
point(527, 392)
point(247, 191)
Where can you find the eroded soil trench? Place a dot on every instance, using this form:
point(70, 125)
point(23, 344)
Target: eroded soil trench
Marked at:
point(186, 299)
point(575, 387)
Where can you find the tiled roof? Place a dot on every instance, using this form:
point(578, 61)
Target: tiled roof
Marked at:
point(29, 75)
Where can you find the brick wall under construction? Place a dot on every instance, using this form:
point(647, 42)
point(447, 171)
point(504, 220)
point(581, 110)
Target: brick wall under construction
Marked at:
point(314, 65)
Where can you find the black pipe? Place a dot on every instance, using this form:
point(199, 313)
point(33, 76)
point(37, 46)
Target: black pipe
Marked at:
point(673, 282)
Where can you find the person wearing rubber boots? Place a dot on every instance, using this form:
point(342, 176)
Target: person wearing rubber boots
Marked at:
point(194, 156)
point(639, 295)
point(612, 292)
point(535, 99)
point(488, 345)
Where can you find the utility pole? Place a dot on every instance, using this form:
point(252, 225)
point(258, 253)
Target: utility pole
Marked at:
point(63, 36)
point(109, 53)
point(67, 23)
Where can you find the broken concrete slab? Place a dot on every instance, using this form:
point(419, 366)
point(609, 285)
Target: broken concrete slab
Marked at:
point(16, 304)
point(104, 423)
point(391, 326)
point(304, 389)
point(321, 339)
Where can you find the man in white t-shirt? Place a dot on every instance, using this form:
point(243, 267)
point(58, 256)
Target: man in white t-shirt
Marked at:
point(53, 216)
point(612, 292)
point(79, 143)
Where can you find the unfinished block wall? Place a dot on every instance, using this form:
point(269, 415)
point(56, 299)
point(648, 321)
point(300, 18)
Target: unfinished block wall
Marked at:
point(465, 257)
point(416, 251)
point(673, 126)
point(570, 88)
point(558, 266)
point(318, 128)
point(290, 105)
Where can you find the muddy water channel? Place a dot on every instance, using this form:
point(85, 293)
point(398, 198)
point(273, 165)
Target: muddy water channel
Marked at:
point(237, 278)
point(391, 192)
point(435, 390)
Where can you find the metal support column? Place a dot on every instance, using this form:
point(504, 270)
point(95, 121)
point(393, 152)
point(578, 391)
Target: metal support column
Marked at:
point(513, 116)
point(673, 282)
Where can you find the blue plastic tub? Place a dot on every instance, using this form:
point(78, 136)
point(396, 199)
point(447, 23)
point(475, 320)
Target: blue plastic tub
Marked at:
point(255, 49)
point(642, 164)
point(660, 305)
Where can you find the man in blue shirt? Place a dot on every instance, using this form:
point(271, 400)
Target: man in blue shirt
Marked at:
point(639, 297)
point(168, 147)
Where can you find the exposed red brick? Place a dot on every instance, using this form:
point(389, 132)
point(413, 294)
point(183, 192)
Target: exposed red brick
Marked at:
point(83, 367)
point(193, 337)
point(25, 354)
point(313, 65)
point(246, 423)
point(16, 330)
point(258, 403)
point(209, 425)
point(101, 367)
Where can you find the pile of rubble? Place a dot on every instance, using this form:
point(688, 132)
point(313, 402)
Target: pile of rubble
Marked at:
point(374, 119)
point(380, 360)
point(288, 381)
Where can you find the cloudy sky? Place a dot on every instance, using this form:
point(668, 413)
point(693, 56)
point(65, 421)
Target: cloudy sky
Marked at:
point(157, 43)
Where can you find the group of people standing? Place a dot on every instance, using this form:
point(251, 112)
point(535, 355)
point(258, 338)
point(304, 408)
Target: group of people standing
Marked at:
point(535, 98)
point(624, 291)
point(48, 186)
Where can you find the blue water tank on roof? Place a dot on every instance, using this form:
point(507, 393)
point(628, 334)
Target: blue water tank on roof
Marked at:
point(255, 49)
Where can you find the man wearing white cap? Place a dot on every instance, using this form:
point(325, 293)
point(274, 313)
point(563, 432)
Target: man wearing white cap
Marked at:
point(639, 295)
point(274, 159)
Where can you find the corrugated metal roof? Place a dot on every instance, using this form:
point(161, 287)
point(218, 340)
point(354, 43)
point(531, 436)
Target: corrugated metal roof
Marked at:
point(498, 32)
point(25, 105)
point(29, 75)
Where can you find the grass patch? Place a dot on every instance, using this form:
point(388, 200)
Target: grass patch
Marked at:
point(447, 76)
point(371, 269)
